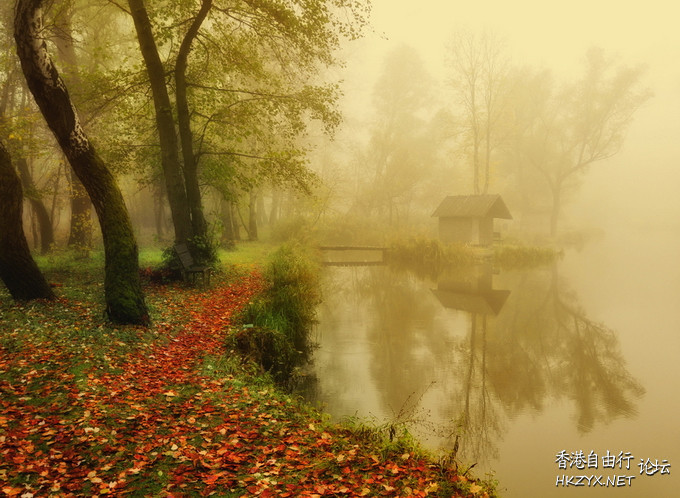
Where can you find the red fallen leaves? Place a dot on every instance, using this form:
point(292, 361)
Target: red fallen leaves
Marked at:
point(147, 422)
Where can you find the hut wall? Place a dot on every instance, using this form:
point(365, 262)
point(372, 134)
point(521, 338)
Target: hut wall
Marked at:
point(460, 230)
point(476, 231)
point(485, 231)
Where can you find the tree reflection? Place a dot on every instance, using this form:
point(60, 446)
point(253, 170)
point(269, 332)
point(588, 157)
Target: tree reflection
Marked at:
point(491, 353)
point(477, 423)
point(540, 346)
point(596, 377)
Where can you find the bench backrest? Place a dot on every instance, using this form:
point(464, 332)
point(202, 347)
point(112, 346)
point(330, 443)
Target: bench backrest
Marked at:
point(184, 255)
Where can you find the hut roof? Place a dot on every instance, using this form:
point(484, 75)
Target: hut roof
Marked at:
point(473, 206)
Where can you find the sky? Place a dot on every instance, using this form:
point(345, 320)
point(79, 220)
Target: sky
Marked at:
point(556, 35)
point(542, 32)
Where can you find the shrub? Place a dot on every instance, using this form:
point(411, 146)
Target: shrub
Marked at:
point(282, 316)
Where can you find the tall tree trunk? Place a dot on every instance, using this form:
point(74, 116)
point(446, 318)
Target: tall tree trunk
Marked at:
point(80, 233)
point(262, 218)
point(274, 211)
point(158, 197)
point(122, 285)
point(487, 157)
point(18, 270)
point(55, 194)
point(34, 231)
point(227, 223)
point(165, 123)
point(235, 225)
point(252, 215)
point(199, 225)
point(39, 209)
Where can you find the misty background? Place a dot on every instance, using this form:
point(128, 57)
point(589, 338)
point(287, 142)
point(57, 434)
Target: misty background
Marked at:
point(637, 186)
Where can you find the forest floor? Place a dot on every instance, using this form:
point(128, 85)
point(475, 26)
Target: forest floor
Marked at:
point(87, 408)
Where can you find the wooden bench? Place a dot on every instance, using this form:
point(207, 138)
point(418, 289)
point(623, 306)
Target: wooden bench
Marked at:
point(188, 268)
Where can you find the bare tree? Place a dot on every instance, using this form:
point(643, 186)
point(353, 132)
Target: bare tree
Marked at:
point(583, 124)
point(480, 68)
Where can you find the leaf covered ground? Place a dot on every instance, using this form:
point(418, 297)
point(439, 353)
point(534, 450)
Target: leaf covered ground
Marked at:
point(90, 409)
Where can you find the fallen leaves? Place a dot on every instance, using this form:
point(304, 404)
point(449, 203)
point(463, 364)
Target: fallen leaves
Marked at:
point(139, 417)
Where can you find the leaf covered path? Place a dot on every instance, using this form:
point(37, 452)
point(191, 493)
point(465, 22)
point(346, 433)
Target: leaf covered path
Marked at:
point(86, 409)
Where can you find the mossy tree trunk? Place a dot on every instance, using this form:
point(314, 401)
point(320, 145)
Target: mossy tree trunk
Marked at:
point(124, 298)
point(18, 270)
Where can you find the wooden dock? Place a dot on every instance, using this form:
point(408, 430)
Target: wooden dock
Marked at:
point(353, 255)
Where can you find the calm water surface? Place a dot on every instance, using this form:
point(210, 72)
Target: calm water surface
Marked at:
point(519, 365)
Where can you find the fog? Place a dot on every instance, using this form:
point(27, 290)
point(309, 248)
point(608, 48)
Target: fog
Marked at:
point(637, 185)
point(569, 112)
point(389, 331)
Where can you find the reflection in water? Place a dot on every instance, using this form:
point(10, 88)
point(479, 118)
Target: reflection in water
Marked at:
point(463, 356)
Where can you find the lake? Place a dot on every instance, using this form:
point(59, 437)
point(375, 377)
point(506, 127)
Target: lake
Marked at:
point(540, 375)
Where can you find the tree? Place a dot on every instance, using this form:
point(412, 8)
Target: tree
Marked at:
point(17, 133)
point(583, 124)
point(39, 209)
point(480, 69)
point(399, 155)
point(18, 269)
point(190, 160)
point(165, 123)
point(243, 95)
point(123, 292)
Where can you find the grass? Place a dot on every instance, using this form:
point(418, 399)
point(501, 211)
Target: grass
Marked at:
point(428, 257)
point(520, 256)
point(428, 252)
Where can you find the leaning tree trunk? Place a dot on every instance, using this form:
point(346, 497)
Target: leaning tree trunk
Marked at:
point(18, 270)
point(124, 297)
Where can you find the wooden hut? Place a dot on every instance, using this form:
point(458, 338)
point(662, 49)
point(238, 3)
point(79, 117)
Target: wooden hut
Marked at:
point(468, 219)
